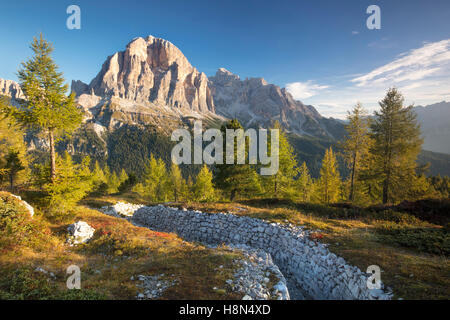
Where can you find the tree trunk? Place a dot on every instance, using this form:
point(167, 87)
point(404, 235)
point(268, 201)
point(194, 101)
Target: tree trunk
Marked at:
point(233, 194)
point(386, 188)
point(52, 157)
point(11, 181)
point(352, 183)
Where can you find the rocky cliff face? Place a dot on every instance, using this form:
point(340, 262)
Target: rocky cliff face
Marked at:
point(152, 77)
point(255, 102)
point(11, 89)
point(152, 70)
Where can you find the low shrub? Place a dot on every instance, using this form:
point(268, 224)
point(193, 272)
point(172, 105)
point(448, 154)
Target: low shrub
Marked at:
point(26, 284)
point(16, 225)
point(105, 243)
point(430, 240)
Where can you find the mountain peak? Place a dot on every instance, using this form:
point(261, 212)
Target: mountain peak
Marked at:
point(153, 70)
point(224, 71)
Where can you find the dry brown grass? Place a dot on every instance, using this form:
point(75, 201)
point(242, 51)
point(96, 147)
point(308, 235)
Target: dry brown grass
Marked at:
point(119, 251)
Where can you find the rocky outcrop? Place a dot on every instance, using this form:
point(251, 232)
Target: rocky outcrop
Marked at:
point(121, 209)
point(256, 102)
point(11, 89)
point(152, 70)
point(27, 206)
point(153, 287)
point(80, 232)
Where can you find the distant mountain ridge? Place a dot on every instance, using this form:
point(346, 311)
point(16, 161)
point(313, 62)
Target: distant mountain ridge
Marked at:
point(152, 84)
point(434, 120)
point(153, 76)
point(256, 102)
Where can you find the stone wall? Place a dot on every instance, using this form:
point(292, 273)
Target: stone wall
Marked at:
point(318, 272)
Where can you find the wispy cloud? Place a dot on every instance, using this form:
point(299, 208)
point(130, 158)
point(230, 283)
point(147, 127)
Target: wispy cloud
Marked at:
point(430, 59)
point(304, 90)
point(422, 75)
point(354, 32)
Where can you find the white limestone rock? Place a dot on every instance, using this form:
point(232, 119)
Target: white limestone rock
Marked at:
point(29, 208)
point(80, 232)
point(121, 209)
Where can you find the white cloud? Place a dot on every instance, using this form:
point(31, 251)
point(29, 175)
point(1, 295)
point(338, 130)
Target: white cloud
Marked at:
point(417, 64)
point(422, 75)
point(355, 32)
point(304, 90)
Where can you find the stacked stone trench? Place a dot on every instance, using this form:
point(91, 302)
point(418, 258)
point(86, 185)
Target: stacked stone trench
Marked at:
point(308, 265)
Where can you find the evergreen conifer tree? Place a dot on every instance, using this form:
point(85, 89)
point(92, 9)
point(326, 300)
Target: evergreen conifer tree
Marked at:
point(203, 189)
point(304, 183)
point(46, 107)
point(397, 143)
point(329, 181)
point(356, 146)
point(282, 184)
point(236, 179)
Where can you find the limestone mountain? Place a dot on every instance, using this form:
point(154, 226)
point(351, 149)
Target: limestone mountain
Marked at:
point(256, 102)
point(151, 83)
point(151, 70)
point(11, 89)
point(152, 79)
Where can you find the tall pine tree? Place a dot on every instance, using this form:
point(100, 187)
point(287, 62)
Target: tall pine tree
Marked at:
point(281, 184)
point(329, 182)
point(397, 143)
point(46, 107)
point(356, 145)
point(155, 179)
point(304, 183)
point(178, 186)
point(236, 179)
point(203, 189)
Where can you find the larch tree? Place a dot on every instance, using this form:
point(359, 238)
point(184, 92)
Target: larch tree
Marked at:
point(281, 184)
point(47, 106)
point(177, 183)
point(99, 177)
point(203, 188)
point(13, 151)
point(304, 183)
point(329, 182)
point(155, 179)
point(72, 183)
point(236, 179)
point(397, 143)
point(355, 146)
point(14, 165)
point(123, 176)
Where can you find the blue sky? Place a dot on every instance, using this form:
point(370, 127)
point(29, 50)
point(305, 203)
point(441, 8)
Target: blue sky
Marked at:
point(320, 50)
